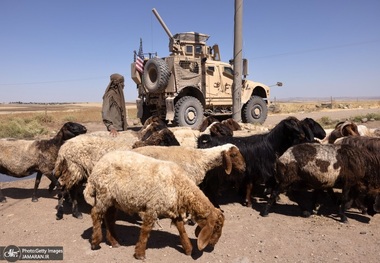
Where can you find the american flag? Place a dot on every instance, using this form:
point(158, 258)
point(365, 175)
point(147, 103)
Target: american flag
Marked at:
point(139, 64)
point(140, 59)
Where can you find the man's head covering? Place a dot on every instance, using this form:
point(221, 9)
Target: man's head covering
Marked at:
point(117, 78)
point(115, 82)
point(115, 89)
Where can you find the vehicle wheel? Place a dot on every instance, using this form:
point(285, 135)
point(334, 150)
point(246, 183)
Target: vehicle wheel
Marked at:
point(156, 75)
point(188, 112)
point(146, 114)
point(255, 110)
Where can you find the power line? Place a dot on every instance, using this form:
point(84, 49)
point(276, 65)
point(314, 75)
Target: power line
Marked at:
point(318, 49)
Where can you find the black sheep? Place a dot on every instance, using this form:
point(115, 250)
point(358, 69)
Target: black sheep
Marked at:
point(163, 137)
point(20, 158)
point(214, 127)
point(260, 152)
point(324, 166)
point(372, 144)
point(310, 125)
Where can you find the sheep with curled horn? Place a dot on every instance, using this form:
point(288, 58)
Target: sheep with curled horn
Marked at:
point(343, 128)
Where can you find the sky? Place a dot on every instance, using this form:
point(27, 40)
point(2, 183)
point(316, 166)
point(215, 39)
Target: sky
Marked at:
point(65, 51)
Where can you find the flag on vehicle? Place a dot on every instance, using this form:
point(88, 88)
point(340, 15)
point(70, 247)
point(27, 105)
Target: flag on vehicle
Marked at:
point(140, 59)
point(139, 64)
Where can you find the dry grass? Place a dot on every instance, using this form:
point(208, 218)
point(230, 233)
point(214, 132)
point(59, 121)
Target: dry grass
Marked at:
point(311, 106)
point(36, 121)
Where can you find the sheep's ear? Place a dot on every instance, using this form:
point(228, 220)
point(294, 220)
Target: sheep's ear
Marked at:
point(308, 132)
point(204, 236)
point(227, 162)
point(197, 231)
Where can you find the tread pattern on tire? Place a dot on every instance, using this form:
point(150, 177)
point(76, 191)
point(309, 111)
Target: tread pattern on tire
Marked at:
point(246, 115)
point(179, 118)
point(162, 73)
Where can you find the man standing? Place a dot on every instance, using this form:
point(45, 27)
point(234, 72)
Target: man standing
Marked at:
point(113, 109)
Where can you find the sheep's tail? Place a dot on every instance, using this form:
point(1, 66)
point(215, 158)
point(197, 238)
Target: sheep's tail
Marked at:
point(89, 193)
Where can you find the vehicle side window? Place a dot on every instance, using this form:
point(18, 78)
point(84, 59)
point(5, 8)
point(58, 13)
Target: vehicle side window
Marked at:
point(210, 70)
point(189, 50)
point(198, 49)
point(229, 72)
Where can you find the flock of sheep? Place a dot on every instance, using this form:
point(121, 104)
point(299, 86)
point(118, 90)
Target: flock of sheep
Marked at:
point(179, 173)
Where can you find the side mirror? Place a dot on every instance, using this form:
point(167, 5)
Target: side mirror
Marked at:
point(245, 67)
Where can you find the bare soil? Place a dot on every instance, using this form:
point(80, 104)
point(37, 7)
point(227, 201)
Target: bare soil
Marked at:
point(283, 236)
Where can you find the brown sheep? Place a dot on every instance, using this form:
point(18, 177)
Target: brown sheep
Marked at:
point(151, 188)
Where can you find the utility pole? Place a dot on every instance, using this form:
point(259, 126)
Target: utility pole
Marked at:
point(238, 60)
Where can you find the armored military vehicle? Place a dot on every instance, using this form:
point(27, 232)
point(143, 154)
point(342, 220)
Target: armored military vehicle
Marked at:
point(193, 82)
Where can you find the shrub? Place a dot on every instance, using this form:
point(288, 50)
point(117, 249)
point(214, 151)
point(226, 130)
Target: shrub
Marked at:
point(369, 116)
point(22, 129)
point(44, 118)
point(70, 118)
point(325, 121)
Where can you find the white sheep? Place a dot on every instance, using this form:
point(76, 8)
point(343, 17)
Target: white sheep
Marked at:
point(186, 136)
point(151, 188)
point(77, 157)
point(130, 133)
point(365, 131)
point(20, 158)
point(198, 161)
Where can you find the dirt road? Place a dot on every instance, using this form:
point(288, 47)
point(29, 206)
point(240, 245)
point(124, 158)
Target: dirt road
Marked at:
point(332, 114)
point(247, 237)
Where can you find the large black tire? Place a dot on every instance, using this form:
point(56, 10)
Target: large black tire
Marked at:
point(188, 112)
point(255, 110)
point(156, 75)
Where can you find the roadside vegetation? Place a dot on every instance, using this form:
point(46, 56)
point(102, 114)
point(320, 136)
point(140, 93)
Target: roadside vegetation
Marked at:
point(327, 122)
point(44, 122)
point(30, 125)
